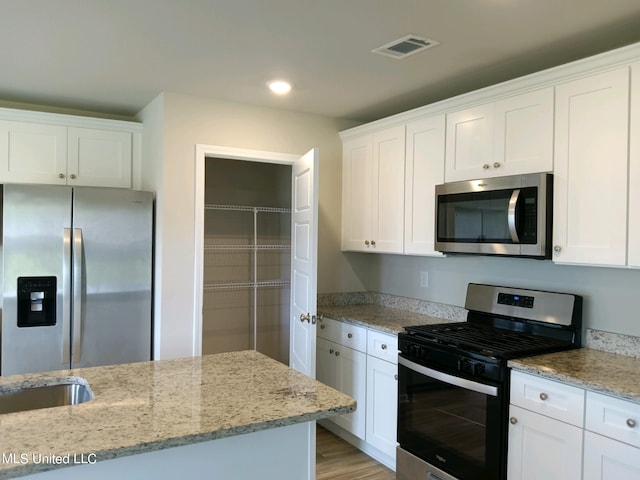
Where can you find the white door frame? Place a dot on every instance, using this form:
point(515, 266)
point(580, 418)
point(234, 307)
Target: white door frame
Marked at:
point(202, 152)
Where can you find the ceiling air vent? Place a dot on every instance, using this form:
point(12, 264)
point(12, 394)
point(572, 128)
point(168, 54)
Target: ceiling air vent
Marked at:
point(405, 46)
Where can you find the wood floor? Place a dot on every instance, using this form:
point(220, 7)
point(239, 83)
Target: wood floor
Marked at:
point(339, 460)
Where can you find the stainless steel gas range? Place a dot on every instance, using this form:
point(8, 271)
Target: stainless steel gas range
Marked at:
point(453, 389)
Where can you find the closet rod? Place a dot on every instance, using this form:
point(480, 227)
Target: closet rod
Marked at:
point(247, 247)
point(224, 286)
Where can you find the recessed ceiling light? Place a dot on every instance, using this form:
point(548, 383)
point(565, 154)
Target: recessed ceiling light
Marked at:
point(279, 87)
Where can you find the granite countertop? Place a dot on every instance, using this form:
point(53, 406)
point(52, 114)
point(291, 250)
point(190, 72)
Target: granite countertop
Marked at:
point(147, 406)
point(602, 372)
point(384, 319)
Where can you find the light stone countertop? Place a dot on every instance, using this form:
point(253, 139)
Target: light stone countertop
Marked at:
point(384, 319)
point(603, 372)
point(148, 406)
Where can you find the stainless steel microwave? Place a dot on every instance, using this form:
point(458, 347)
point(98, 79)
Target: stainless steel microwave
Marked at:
point(509, 216)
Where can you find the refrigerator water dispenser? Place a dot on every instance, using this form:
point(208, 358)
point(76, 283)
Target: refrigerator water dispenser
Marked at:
point(36, 301)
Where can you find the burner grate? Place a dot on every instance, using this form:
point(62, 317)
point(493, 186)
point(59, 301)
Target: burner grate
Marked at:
point(497, 342)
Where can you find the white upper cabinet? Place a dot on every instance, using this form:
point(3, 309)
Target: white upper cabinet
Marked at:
point(590, 174)
point(424, 170)
point(511, 136)
point(33, 153)
point(99, 158)
point(52, 149)
point(633, 258)
point(373, 192)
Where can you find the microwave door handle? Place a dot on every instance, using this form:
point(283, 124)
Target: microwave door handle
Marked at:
point(511, 215)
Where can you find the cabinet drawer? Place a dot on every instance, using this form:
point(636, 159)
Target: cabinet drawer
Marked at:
point(613, 417)
point(346, 334)
point(382, 346)
point(553, 399)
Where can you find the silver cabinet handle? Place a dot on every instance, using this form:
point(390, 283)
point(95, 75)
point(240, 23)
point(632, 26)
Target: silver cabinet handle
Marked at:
point(485, 166)
point(383, 346)
point(496, 164)
point(395, 376)
point(373, 242)
point(61, 175)
point(631, 423)
point(557, 248)
point(543, 396)
point(331, 351)
point(349, 335)
point(513, 420)
point(72, 176)
point(337, 353)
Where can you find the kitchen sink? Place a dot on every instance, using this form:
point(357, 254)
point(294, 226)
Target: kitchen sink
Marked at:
point(54, 395)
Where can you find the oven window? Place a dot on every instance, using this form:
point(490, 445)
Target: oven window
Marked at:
point(453, 428)
point(482, 217)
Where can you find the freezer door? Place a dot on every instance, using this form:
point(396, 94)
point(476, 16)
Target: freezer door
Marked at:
point(112, 264)
point(35, 235)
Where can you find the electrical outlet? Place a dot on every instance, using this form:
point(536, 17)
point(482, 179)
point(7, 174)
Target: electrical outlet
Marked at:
point(424, 279)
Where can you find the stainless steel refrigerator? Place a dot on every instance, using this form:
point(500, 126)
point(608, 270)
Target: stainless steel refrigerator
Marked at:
point(76, 277)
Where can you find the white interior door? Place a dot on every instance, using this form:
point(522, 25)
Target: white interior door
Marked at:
point(304, 263)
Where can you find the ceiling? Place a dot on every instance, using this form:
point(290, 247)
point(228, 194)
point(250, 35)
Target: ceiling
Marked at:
point(115, 56)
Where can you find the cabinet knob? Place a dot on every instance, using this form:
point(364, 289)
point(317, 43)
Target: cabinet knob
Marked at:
point(337, 353)
point(373, 242)
point(72, 176)
point(543, 396)
point(496, 164)
point(331, 351)
point(513, 420)
point(485, 166)
point(349, 335)
point(322, 327)
point(383, 346)
point(395, 376)
point(366, 242)
point(631, 423)
point(61, 175)
point(557, 248)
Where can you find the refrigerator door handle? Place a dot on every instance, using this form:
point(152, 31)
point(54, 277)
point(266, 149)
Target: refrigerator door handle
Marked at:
point(66, 296)
point(77, 294)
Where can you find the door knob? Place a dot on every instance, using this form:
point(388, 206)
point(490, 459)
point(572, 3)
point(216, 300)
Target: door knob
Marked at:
point(305, 316)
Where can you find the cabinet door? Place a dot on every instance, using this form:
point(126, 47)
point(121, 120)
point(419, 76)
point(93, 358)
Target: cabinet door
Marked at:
point(607, 459)
point(388, 191)
point(634, 170)
point(326, 363)
point(469, 152)
point(540, 447)
point(33, 153)
point(382, 405)
point(357, 183)
point(99, 158)
point(590, 175)
point(424, 163)
point(523, 134)
point(351, 377)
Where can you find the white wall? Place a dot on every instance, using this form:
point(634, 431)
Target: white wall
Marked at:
point(609, 293)
point(177, 123)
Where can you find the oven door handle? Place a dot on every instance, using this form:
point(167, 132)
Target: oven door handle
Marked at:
point(450, 379)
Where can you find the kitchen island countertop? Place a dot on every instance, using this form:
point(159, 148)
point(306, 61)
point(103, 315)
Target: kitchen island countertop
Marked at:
point(148, 406)
point(602, 372)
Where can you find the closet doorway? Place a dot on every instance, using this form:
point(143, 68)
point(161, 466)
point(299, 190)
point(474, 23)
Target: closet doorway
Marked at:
point(256, 251)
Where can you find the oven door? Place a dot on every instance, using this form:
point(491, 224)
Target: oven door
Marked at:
point(453, 423)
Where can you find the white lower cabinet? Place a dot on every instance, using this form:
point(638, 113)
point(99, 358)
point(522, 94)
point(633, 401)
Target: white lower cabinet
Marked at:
point(562, 432)
point(542, 448)
point(368, 373)
point(344, 369)
point(382, 405)
point(607, 459)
